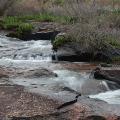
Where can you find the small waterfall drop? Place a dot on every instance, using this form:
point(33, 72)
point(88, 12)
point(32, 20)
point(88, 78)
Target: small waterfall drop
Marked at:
point(106, 85)
point(54, 56)
point(25, 50)
point(39, 54)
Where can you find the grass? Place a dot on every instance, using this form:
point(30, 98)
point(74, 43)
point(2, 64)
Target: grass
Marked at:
point(23, 24)
point(61, 40)
point(25, 28)
point(113, 42)
point(116, 59)
point(95, 24)
point(58, 2)
point(16, 20)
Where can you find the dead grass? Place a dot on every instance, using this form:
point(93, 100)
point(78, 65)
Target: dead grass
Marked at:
point(97, 26)
point(94, 20)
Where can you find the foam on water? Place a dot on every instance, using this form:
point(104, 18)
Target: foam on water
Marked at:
point(66, 78)
point(112, 97)
point(25, 50)
point(16, 53)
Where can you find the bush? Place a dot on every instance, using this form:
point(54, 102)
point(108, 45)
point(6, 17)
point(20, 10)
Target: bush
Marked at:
point(113, 42)
point(58, 2)
point(61, 40)
point(116, 59)
point(11, 22)
point(25, 28)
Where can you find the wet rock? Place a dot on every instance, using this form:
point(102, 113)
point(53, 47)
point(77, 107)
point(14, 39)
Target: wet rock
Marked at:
point(113, 85)
point(93, 117)
point(48, 35)
point(113, 73)
point(68, 52)
point(15, 101)
point(39, 73)
point(19, 104)
point(27, 73)
point(99, 74)
point(89, 109)
point(105, 65)
point(84, 109)
point(86, 67)
point(75, 52)
point(5, 72)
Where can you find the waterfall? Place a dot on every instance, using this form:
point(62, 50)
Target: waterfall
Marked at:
point(39, 54)
point(54, 56)
point(106, 85)
point(25, 50)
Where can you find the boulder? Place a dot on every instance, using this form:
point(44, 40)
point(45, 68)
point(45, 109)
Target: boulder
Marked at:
point(73, 51)
point(26, 73)
point(18, 104)
point(45, 35)
point(33, 73)
point(100, 74)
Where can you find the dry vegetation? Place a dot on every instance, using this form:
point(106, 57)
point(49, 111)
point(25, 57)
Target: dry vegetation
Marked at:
point(96, 23)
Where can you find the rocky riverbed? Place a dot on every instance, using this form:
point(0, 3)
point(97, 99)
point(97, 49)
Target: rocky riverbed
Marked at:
point(32, 86)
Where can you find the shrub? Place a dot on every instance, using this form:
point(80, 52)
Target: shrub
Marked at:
point(25, 28)
point(58, 2)
point(116, 59)
point(61, 40)
point(11, 22)
point(114, 42)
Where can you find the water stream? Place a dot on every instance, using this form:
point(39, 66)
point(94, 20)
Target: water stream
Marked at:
point(37, 54)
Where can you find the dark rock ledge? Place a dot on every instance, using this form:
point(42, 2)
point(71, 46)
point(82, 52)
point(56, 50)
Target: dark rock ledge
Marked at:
point(74, 52)
point(109, 75)
point(45, 35)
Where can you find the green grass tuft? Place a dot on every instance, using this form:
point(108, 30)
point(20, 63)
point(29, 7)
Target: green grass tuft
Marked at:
point(116, 59)
point(25, 28)
point(14, 22)
point(61, 40)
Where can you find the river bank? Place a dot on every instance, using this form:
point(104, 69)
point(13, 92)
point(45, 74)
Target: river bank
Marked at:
point(33, 86)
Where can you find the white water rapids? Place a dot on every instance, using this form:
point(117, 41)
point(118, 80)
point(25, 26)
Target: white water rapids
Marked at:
point(35, 54)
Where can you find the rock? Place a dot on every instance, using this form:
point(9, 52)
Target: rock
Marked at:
point(48, 35)
point(113, 73)
point(5, 72)
point(73, 51)
point(99, 74)
point(38, 73)
point(79, 111)
point(102, 56)
point(95, 117)
point(27, 73)
point(105, 65)
point(90, 109)
point(19, 104)
point(86, 67)
point(15, 102)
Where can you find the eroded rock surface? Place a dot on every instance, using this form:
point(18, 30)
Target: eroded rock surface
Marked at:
point(27, 73)
point(17, 104)
point(14, 101)
point(110, 75)
point(75, 52)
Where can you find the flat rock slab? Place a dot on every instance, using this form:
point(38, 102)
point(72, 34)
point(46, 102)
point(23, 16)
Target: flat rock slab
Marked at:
point(113, 73)
point(17, 104)
point(27, 73)
point(14, 101)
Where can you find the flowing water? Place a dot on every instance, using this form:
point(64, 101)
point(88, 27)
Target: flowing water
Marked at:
point(37, 54)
